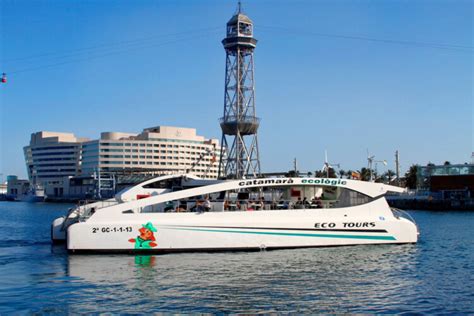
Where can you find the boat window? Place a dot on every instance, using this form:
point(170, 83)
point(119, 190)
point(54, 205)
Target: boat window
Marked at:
point(243, 195)
point(351, 198)
point(272, 198)
point(164, 184)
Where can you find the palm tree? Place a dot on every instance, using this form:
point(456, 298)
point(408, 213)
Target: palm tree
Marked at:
point(292, 173)
point(331, 173)
point(365, 174)
point(387, 176)
point(410, 177)
point(320, 174)
point(349, 174)
point(342, 173)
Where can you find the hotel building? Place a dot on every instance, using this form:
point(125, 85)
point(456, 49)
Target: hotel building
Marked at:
point(53, 158)
point(156, 150)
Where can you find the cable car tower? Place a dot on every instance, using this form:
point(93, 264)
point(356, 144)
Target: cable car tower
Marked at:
point(239, 124)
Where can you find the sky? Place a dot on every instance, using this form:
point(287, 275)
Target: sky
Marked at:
point(336, 75)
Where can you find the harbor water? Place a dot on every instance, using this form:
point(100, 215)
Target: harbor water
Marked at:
point(434, 276)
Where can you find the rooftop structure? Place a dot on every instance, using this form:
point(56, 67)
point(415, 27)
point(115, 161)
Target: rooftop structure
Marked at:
point(437, 178)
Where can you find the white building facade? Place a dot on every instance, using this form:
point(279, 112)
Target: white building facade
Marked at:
point(52, 158)
point(156, 150)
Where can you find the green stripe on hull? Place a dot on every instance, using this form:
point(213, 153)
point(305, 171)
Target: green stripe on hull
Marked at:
point(286, 234)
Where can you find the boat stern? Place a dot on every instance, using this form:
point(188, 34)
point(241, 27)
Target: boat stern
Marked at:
point(408, 230)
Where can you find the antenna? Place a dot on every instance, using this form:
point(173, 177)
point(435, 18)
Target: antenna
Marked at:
point(239, 7)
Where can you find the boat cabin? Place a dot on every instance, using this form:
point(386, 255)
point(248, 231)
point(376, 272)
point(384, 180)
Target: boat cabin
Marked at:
point(254, 195)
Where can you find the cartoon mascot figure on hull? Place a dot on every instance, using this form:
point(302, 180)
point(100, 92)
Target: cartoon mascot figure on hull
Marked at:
point(146, 239)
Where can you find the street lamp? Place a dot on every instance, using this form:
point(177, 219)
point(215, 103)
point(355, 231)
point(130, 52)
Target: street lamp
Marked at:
point(370, 162)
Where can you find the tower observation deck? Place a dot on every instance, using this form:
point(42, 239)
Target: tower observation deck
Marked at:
point(239, 124)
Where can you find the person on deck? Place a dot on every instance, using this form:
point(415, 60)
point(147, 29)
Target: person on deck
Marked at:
point(206, 205)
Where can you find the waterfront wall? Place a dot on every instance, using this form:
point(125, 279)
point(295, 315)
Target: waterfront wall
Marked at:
point(432, 205)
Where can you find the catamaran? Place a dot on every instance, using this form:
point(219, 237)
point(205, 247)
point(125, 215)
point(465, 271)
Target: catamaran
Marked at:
point(179, 213)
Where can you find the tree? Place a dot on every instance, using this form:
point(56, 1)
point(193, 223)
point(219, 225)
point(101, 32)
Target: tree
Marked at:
point(365, 174)
point(342, 173)
point(447, 163)
point(320, 174)
point(331, 173)
point(292, 173)
point(390, 174)
point(410, 177)
point(387, 176)
point(349, 174)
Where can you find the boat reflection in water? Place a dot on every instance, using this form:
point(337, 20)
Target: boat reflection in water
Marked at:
point(322, 279)
point(145, 261)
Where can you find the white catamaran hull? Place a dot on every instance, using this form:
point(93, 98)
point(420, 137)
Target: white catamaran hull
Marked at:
point(372, 223)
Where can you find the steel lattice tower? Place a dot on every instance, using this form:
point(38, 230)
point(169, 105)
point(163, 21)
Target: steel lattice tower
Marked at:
point(239, 124)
